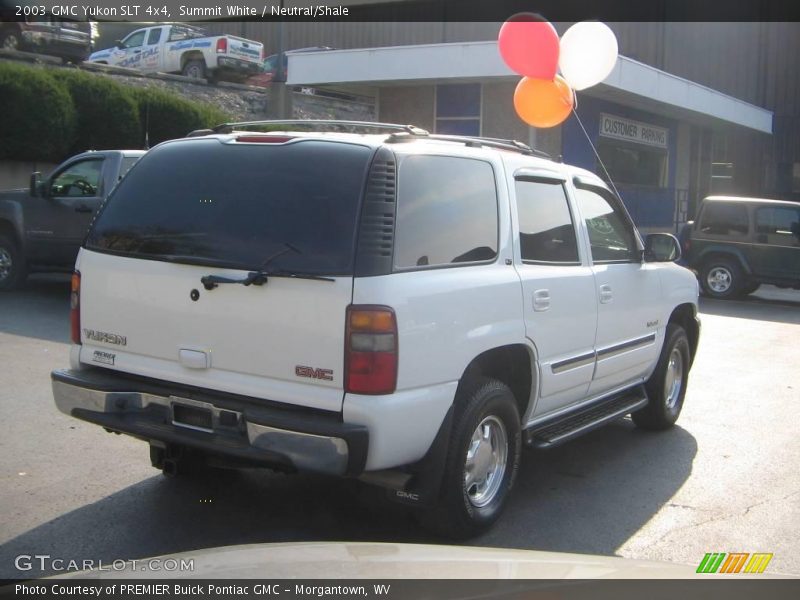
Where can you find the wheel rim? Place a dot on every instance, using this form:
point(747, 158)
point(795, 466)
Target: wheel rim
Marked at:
point(5, 264)
point(673, 379)
point(485, 465)
point(719, 280)
point(10, 43)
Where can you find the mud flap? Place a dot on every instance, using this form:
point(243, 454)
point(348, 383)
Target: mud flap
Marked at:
point(423, 487)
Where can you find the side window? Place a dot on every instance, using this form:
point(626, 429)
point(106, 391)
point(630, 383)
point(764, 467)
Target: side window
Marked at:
point(79, 179)
point(546, 229)
point(446, 212)
point(778, 225)
point(127, 163)
point(724, 219)
point(135, 39)
point(154, 36)
point(611, 234)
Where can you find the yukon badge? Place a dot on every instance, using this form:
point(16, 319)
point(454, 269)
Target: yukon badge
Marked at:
point(313, 373)
point(108, 338)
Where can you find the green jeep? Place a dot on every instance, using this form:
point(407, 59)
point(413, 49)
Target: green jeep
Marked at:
point(736, 244)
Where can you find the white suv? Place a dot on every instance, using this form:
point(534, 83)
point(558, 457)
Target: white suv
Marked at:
point(404, 308)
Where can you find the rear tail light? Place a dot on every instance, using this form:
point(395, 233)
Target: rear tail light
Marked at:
point(370, 350)
point(75, 308)
point(222, 45)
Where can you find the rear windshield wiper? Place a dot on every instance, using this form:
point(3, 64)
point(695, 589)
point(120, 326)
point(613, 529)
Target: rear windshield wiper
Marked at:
point(261, 276)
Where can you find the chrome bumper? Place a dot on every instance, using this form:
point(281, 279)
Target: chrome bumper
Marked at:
point(231, 432)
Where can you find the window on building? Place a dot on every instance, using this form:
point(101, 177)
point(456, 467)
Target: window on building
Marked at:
point(458, 109)
point(633, 164)
point(546, 230)
point(723, 218)
point(446, 212)
point(611, 233)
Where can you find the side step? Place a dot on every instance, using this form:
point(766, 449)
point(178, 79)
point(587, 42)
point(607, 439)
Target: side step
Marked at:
point(556, 431)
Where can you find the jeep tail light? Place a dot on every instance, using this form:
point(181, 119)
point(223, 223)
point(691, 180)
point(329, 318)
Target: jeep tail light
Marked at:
point(222, 45)
point(370, 362)
point(75, 308)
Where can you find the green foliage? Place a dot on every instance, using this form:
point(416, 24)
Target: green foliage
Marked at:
point(50, 114)
point(38, 118)
point(108, 117)
point(165, 116)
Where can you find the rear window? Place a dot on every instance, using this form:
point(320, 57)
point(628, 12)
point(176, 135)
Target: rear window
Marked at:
point(236, 205)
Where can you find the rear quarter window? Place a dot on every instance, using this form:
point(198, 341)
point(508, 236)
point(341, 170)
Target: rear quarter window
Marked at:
point(720, 218)
point(446, 212)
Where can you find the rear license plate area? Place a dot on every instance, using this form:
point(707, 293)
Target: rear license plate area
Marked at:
point(192, 417)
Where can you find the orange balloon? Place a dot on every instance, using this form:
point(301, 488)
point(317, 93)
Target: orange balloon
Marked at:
point(543, 103)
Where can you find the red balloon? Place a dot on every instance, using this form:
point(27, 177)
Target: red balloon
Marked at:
point(542, 102)
point(529, 45)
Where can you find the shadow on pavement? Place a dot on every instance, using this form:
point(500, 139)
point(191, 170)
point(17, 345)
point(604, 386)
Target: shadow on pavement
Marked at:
point(777, 308)
point(39, 310)
point(589, 496)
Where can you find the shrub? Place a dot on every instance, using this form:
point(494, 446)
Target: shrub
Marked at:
point(38, 118)
point(108, 117)
point(166, 116)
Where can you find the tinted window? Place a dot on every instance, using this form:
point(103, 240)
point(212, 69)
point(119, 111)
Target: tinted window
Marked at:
point(546, 231)
point(155, 36)
point(79, 179)
point(446, 212)
point(724, 219)
point(778, 225)
point(127, 163)
point(610, 232)
point(135, 39)
point(206, 202)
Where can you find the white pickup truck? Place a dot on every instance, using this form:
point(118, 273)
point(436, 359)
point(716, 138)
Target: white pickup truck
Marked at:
point(185, 49)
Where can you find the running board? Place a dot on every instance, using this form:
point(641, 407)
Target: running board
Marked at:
point(556, 431)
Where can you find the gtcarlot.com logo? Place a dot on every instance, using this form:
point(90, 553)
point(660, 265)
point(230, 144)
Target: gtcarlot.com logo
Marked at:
point(46, 562)
point(734, 562)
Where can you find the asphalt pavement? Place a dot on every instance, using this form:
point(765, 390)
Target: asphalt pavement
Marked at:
point(725, 479)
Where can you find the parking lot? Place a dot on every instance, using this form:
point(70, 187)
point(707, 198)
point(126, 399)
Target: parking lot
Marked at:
point(724, 480)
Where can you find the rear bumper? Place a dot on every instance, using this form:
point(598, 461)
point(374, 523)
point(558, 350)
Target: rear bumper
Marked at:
point(238, 65)
point(240, 428)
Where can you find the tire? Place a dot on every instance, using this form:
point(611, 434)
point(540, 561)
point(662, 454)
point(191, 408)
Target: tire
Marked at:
point(486, 440)
point(722, 278)
point(12, 265)
point(750, 287)
point(666, 387)
point(10, 40)
point(195, 69)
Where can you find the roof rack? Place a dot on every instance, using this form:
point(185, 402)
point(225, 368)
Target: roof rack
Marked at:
point(230, 127)
point(474, 141)
point(403, 133)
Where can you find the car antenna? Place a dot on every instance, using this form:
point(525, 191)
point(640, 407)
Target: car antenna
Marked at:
point(147, 124)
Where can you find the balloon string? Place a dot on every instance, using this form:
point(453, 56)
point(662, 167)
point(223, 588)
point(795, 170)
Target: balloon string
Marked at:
point(588, 139)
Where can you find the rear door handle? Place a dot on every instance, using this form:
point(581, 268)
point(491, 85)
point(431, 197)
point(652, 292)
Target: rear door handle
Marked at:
point(83, 209)
point(606, 295)
point(541, 300)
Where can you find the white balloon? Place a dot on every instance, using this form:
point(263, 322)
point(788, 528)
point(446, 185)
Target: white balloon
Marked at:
point(587, 54)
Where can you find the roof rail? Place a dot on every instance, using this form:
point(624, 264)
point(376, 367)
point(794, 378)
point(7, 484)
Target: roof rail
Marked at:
point(501, 144)
point(230, 127)
point(403, 133)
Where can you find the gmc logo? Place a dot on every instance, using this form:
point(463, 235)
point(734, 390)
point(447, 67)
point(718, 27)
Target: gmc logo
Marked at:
point(313, 373)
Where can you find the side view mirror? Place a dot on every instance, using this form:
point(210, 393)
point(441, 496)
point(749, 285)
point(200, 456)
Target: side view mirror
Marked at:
point(118, 44)
point(35, 186)
point(661, 247)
